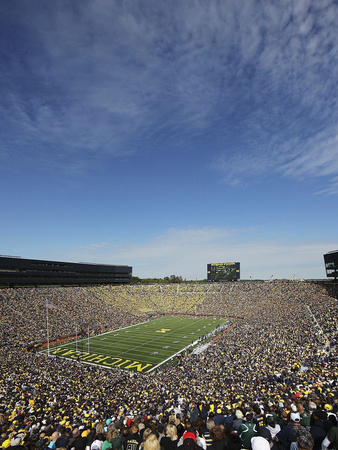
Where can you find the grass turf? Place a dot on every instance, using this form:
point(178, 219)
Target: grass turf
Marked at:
point(140, 347)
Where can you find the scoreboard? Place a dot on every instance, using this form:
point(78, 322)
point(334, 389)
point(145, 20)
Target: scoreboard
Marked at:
point(331, 264)
point(223, 271)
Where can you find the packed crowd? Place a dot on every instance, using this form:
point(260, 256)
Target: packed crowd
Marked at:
point(273, 373)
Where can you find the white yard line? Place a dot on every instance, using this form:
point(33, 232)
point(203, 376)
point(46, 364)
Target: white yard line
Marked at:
point(137, 347)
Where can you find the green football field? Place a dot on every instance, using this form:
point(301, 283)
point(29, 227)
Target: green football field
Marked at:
point(143, 346)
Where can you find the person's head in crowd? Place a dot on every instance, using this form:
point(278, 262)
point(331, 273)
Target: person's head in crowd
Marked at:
point(125, 431)
point(210, 424)
point(17, 440)
point(259, 443)
point(172, 431)
point(171, 418)
point(332, 418)
point(110, 436)
point(217, 434)
point(99, 428)
point(234, 442)
point(146, 433)
point(317, 415)
point(134, 428)
point(271, 421)
point(189, 440)
point(152, 443)
point(295, 417)
point(238, 414)
point(257, 410)
point(304, 439)
point(117, 442)
point(249, 417)
point(265, 433)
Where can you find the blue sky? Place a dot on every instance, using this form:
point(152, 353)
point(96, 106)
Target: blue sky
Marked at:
point(168, 135)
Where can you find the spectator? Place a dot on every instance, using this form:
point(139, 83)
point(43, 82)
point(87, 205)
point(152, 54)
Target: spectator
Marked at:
point(218, 437)
point(170, 441)
point(247, 431)
point(319, 427)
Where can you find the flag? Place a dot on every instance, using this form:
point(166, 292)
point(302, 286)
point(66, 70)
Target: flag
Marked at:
point(51, 306)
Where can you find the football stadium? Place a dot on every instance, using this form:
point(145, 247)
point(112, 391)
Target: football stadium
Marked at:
point(84, 363)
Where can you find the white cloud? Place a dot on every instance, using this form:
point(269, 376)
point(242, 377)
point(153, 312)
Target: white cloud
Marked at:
point(187, 252)
point(105, 76)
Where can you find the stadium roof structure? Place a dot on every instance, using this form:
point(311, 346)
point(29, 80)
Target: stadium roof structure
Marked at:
point(331, 264)
point(16, 271)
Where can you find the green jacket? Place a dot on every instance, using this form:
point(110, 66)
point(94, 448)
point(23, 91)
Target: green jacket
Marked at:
point(246, 431)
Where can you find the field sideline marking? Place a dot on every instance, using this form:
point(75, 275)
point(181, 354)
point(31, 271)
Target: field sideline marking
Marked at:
point(147, 343)
point(152, 322)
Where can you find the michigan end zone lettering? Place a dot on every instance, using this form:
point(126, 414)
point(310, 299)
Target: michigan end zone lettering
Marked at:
point(102, 360)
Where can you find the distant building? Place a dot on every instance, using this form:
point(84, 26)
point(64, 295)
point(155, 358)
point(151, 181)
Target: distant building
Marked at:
point(331, 264)
point(15, 271)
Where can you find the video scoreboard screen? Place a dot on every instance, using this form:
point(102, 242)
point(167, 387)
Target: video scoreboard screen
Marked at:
point(223, 271)
point(331, 264)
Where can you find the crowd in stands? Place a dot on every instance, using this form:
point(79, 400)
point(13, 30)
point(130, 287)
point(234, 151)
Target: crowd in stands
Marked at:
point(268, 382)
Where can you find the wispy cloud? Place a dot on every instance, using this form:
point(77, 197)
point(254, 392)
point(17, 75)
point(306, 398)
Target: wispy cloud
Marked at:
point(317, 156)
point(106, 79)
point(187, 252)
point(332, 189)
